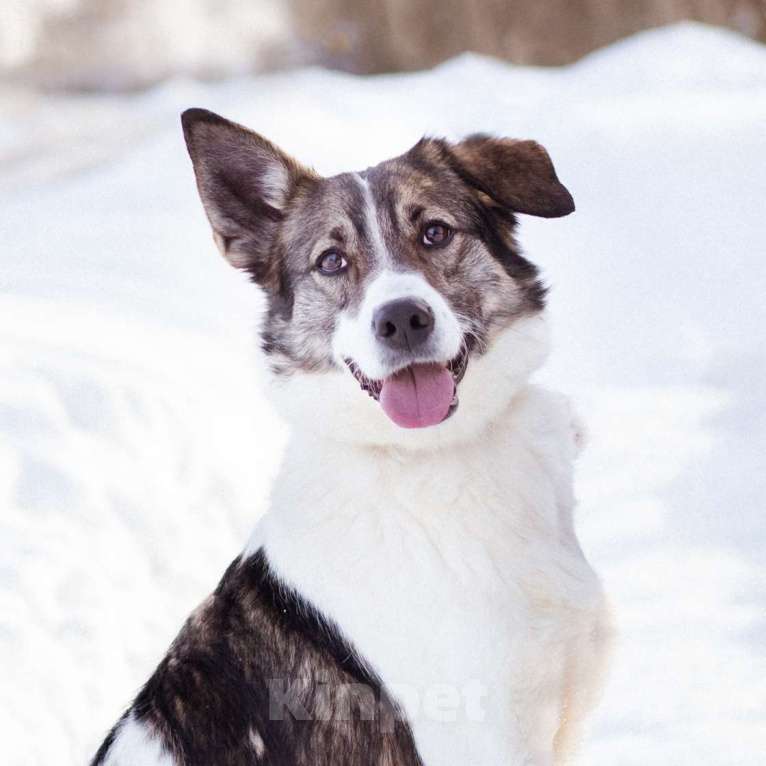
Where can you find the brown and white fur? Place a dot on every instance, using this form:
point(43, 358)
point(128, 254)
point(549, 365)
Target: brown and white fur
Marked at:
point(413, 595)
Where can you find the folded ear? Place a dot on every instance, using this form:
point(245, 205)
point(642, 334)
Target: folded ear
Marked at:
point(244, 182)
point(517, 175)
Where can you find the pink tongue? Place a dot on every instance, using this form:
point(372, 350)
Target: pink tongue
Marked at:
point(418, 396)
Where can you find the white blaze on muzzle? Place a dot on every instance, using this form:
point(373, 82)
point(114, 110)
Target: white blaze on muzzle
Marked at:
point(401, 337)
point(417, 388)
point(355, 337)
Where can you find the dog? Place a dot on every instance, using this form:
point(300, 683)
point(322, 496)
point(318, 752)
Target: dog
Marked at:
point(416, 592)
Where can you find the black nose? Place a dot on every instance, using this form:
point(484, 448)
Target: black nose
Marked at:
point(404, 323)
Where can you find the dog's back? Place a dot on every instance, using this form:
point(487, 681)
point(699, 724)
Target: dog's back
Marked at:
point(259, 676)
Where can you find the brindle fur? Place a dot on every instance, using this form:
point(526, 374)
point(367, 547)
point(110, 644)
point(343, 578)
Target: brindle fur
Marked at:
point(477, 186)
point(211, 702)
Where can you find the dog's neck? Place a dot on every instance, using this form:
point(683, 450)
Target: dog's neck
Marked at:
point(322, 479)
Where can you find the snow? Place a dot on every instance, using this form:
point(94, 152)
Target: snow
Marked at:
point(137, 451)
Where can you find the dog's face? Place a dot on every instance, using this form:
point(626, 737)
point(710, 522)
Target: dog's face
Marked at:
point(397, 297)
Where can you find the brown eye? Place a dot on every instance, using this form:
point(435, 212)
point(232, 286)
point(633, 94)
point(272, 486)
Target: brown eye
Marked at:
point(436, 233)
point(331, 262)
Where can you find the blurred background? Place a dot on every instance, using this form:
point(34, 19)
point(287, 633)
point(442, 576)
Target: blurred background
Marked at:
point(136, 450)
point(127, 44)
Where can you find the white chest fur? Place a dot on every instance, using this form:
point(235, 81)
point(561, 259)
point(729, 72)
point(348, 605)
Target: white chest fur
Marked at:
point(455, 573)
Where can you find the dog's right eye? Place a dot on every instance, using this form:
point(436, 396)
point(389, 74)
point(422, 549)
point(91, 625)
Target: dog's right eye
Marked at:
point(331, 262)
point(436, 234)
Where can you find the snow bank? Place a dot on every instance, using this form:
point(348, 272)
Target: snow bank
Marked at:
point(136, 450)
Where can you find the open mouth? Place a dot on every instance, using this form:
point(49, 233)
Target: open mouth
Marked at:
point(419, 395)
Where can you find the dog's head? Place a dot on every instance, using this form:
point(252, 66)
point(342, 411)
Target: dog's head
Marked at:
point(397, 297)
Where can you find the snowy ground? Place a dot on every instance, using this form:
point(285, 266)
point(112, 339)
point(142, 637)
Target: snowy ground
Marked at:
point(135, 454)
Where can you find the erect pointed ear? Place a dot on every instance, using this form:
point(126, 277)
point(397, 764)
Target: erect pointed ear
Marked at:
point(244, 182)
point(517, 175)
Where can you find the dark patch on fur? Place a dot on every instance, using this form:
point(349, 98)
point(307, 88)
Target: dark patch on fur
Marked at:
point(211, 693)
point(490, 223)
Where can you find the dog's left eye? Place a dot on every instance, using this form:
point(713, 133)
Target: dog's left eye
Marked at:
point(331, 262)
point(436, 234)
